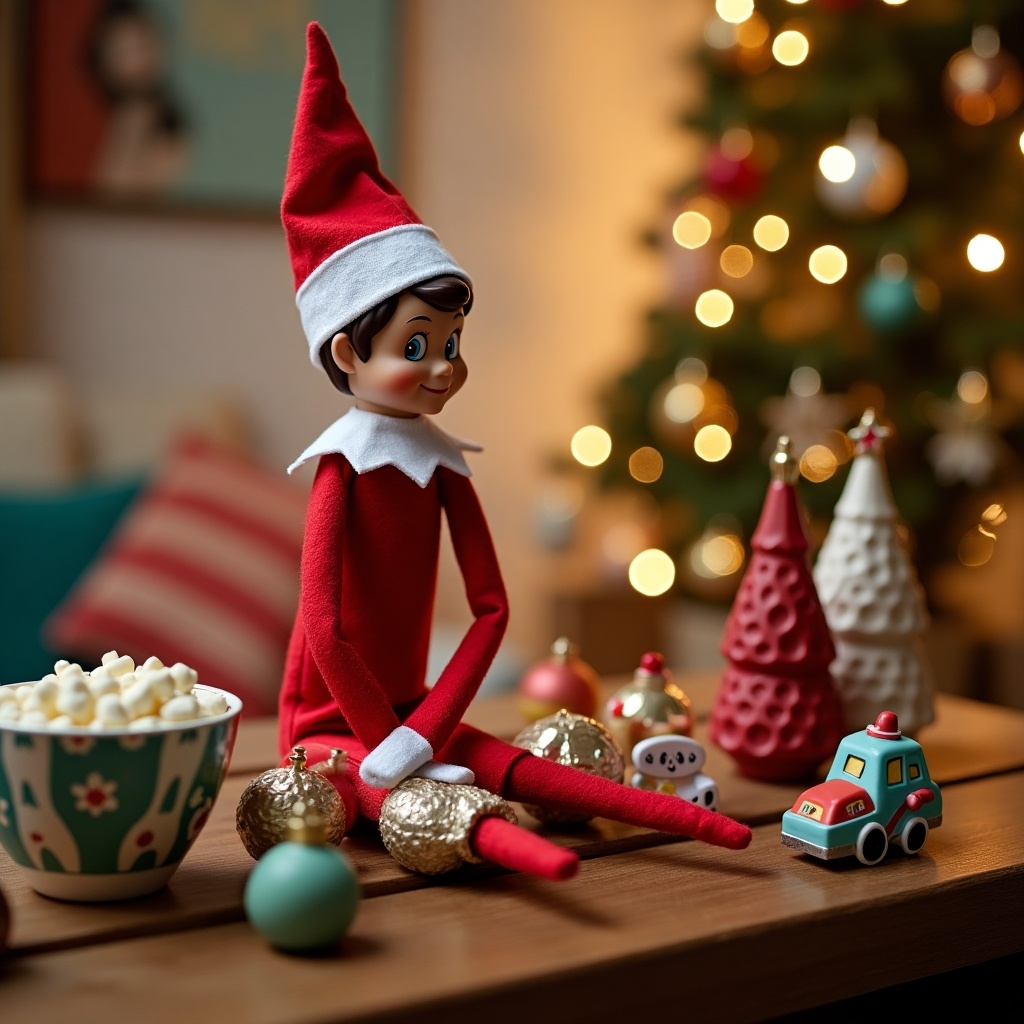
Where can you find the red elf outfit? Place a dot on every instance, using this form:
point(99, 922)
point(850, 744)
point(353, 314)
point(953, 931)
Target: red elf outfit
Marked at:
point(356, 666)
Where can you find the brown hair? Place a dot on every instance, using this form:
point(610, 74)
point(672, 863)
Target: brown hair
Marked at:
point(446, 293)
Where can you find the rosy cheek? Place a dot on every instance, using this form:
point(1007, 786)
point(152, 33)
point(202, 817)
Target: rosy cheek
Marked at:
point(402, 380)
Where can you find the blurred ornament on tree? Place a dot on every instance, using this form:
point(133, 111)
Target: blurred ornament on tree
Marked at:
point(967, 447)
point(861, 175)
point(562, 681)
point(983, 83)
point(650, 705)
point(578, 741)
point(736, 179)
point(888, 300)
point(806, 414)
point(872, 599)
point(776, 711)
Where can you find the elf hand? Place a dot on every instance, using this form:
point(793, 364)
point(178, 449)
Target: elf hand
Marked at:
point(441, 772)
point(405, 752)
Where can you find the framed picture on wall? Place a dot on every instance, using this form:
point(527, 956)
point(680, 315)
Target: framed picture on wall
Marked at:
point(189, 104)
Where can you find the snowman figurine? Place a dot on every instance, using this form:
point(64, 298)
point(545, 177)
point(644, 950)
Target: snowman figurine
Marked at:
point(672, 764)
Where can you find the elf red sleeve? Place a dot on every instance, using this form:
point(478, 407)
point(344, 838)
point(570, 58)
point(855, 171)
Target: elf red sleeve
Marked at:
point(352, 685)
point(443, 707)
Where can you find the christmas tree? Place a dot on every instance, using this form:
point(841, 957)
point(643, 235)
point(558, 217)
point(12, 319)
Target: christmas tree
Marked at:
point(854, 239)
point(872, 599)
point(776, 710)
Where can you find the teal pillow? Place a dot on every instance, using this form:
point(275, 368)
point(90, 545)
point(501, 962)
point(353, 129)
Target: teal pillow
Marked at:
point(46, 541)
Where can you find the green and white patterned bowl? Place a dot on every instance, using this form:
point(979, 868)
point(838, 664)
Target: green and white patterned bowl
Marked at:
point(109, 815)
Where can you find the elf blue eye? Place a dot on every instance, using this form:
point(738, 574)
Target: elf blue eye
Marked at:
point(416, 347)
point(451, 347)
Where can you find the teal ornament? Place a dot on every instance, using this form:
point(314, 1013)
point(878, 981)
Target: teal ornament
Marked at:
point(302, 894)
point(888, 304)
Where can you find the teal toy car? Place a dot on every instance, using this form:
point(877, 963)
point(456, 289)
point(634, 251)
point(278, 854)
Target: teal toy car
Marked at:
point(877, 791)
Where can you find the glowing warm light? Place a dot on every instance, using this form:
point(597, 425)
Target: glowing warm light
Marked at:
point(719, 35)
point(985, 41)
point(818, 463)
point(646, 465)
point(840, 445)
point(754, 32)
point(736, 144)
point(927, 293)
point(994, 515)
point(735, 12)
point(712, 443)
point(985, 253)
point(972, 387)
point(714, 209)
point(805, 381)
point(622, 542)
point(591, 445)
point(975, 548)
point(691, 229)
point(714, 308)
point(1021, 142)
point(683, 402)
point(796, 1)
point(837, 164)
point(771, 232)
point(893, 3)
point(652, 572)
point(892, 266)
point(736, 260)
point(723, 555)
point(692, 369)
point(790, 47)
point(827, 264)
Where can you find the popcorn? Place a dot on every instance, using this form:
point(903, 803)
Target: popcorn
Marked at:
point(116, 694)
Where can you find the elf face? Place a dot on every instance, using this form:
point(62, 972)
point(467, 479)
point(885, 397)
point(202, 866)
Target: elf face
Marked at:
point(415, 365)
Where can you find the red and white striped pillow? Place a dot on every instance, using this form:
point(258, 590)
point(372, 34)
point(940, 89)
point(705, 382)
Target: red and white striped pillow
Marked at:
point(203, 568)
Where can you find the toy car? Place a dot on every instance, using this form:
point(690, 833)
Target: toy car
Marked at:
point(878, 790)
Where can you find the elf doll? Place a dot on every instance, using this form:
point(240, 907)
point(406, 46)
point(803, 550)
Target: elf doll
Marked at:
point(383, 307)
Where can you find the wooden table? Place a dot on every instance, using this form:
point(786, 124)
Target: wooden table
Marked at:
point(650, 923)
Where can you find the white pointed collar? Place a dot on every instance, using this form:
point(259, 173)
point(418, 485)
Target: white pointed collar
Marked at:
point(370, 440)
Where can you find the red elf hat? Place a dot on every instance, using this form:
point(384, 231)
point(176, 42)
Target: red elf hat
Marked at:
point(353, 239)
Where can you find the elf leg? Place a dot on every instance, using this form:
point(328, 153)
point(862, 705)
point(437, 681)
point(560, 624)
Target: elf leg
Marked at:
point(518, 775)
point(490, 836)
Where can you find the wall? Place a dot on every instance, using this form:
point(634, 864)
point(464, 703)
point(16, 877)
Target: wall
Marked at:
point(538, 140)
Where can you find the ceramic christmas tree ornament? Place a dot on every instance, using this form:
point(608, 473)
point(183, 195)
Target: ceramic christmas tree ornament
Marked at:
point(776, 711)
point(650, 705)
point(873, 601)
point(564, 680)
point(384, 308)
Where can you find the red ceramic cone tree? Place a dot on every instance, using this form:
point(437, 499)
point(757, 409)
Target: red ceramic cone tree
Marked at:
point(776, 711)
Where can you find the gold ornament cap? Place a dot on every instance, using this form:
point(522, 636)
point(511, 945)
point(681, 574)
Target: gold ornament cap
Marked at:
point(784, 465)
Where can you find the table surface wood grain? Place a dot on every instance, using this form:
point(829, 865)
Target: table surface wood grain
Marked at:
point(765, 931)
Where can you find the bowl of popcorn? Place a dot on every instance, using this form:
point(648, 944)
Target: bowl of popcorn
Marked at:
point(107, 776)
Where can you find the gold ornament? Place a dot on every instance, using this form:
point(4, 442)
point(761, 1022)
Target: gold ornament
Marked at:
point(651, 705)
point(266, 805)
point(983, 83)
point(426, 825)
point(578, 742)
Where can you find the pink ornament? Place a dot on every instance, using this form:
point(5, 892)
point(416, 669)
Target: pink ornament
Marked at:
point(776, 711)
point(562, 682)
point(738, 180)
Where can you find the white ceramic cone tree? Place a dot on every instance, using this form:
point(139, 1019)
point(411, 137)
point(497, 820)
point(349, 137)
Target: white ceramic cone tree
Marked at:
point(872, 599)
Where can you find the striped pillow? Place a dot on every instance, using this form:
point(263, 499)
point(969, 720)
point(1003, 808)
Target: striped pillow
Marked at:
point(203, 568)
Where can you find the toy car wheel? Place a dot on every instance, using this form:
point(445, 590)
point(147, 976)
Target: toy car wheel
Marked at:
point(914, 833)
point(872, 844)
